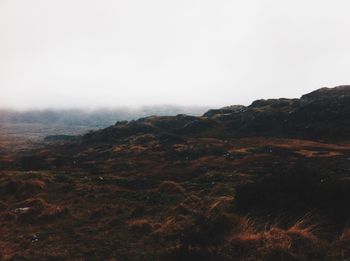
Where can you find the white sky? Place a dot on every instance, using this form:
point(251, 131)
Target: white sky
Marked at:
point(100, 53)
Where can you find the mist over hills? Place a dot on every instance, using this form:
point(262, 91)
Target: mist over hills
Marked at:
point(322, 114)
point(96, 117)
point(37, 124)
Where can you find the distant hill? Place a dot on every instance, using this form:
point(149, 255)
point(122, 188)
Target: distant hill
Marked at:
point(93, 118)
point(321, 115)
point(36, 124)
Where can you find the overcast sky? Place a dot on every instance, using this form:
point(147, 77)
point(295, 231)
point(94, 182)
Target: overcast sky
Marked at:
point(101, 53)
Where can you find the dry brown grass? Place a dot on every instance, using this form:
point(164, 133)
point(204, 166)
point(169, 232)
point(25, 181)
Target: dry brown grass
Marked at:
point(171, 187)
point(142, 226)
point(38, 210)
point(298, 242)
point(161, 202)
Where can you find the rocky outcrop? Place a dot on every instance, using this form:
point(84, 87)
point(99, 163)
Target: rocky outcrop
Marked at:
point(322, 114)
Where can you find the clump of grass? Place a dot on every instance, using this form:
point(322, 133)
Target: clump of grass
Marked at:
point(38, 210)
point(142, 226)
point(221, 204)
point(219, 235)
point(259, 245)
point(298, 242)
point(171, 187)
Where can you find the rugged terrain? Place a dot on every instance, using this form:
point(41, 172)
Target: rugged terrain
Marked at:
point(269, 181)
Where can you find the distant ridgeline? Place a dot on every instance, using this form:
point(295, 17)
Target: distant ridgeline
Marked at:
point(95, 118)
point(322, 115)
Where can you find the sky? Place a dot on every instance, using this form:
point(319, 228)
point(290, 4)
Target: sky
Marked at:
point(111, 53)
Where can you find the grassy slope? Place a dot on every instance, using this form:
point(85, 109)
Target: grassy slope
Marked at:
point(145, 200)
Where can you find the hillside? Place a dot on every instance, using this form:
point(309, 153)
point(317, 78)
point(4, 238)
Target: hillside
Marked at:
point(269, 181)
point(320, 115)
